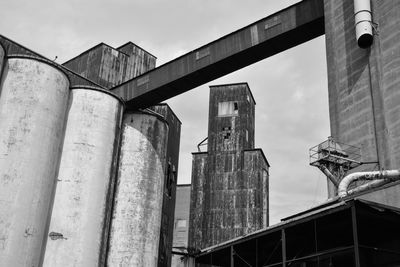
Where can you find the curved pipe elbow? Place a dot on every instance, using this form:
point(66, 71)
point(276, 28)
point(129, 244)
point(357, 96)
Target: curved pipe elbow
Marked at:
point(375, 175)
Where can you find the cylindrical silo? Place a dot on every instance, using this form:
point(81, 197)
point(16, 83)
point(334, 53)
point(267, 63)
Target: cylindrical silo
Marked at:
point(136, 221)
point(82, 205)
point(33, 104)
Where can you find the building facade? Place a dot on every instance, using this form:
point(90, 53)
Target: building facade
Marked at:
point(181, 227)
point(229, 196)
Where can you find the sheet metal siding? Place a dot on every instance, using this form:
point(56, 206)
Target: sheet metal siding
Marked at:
point(102, 64)
point(33, 104)
point(256, 175)
point(139, 61)
point(239, 124)
point(199, 179)
point(168, 209)
point(87, 65)
point(135, 229)
point(363, 97)
point(82, 207)
point(182, 212)
point(109, 67)
point(297, 24)
point(229, 198)
point(2, 59)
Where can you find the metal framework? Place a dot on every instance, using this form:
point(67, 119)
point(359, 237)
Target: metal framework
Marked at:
point(348, 233)
point(339, 154)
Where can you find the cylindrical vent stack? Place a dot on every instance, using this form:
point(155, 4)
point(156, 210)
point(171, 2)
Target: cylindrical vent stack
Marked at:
point(135, 227)
point(83, 200)
point(363, 23)
point(33, 104)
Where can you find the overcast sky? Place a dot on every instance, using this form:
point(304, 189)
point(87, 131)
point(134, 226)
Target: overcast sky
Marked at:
point(290, 88)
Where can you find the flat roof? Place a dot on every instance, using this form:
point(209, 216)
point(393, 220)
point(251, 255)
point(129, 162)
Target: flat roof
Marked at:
point(233, 84)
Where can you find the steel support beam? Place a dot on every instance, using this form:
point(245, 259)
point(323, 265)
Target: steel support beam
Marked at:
point(276, 33)
point(355, 236)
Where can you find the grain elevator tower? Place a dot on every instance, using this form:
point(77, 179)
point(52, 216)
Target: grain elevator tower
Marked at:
point(229, 196)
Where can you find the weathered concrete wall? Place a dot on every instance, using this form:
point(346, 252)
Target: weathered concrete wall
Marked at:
point(387, 195)
point(169, 190)
point(182, 261)
point(108, 67)
point(363, 100)
point(136, 221)
point(33, 104)
point(82, 206)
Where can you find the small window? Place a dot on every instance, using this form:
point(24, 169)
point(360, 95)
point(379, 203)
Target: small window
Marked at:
point(227, 135)
point(247, 136)
point(180, 223)
point(226, 132)
point(235, 107)
point(229, 108)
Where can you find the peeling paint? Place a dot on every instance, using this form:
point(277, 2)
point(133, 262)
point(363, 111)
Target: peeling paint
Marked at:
point(56, 236)
point(83, 197)
point(135, 228)
point(33, 103)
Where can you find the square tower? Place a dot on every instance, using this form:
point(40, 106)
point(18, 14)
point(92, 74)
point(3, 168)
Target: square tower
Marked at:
point(229, 195)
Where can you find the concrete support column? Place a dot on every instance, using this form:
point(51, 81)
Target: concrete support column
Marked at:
point(364, 99)
point(33, 104)
point(82, 207)
point(136, 222)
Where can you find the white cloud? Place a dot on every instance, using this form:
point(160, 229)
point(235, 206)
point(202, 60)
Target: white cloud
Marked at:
point(285, 129)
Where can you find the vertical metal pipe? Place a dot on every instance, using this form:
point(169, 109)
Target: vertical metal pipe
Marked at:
point(283, 237)
point(363, 23)
point(82, 207)
point(33, 105)
point(232, 257)
point(136, 221)
point(355, 235)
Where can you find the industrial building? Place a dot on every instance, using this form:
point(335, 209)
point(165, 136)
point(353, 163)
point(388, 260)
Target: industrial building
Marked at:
point(229, 196)
point(94, 142)
point(70, 147)
point(109, 67)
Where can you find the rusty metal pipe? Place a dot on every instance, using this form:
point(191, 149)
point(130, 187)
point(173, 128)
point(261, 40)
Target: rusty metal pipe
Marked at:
point(328, 174)
point(375, 176)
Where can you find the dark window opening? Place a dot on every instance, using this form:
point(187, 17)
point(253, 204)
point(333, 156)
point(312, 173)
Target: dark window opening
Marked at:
point(170, 180)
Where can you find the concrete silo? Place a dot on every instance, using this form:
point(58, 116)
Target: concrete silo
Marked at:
point(136, 220)
point(33, 104)
point(82, 206)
